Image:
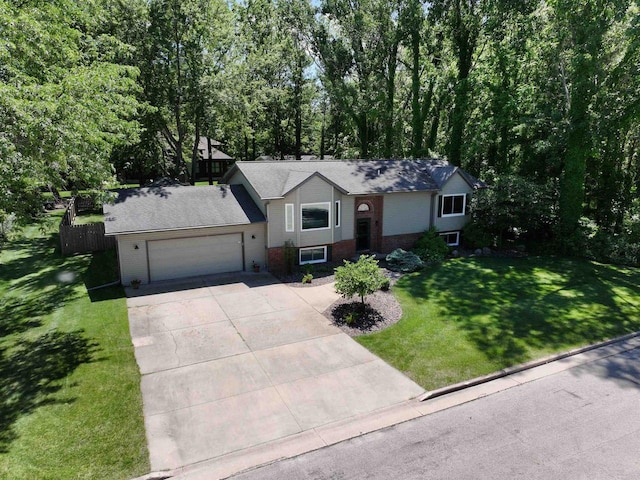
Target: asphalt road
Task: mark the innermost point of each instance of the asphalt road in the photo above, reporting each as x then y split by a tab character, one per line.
583	423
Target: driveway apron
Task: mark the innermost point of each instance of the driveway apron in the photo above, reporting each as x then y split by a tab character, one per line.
231	362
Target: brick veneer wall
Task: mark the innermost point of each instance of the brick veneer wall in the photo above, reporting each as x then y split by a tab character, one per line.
275	259
406	242
343	250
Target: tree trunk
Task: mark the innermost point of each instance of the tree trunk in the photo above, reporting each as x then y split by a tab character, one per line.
389	130
417	120
298	107
194	153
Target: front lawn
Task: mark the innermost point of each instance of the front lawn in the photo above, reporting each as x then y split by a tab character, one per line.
70	403
469	317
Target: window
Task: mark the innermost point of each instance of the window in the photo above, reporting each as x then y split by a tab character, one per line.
451	238
453	205
288	217
336	213
313	255
363	207
315	216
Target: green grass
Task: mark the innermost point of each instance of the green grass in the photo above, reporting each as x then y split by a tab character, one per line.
470	317
92	216
70	405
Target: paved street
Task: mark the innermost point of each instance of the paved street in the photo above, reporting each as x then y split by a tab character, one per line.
581	423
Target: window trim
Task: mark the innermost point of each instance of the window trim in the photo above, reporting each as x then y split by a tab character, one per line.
323	260
464	205
289	217
329	216
457	233
338	213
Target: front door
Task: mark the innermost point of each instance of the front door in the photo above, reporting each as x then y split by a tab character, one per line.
363	234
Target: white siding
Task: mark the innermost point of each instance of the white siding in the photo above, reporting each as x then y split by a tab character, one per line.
406	213
134	262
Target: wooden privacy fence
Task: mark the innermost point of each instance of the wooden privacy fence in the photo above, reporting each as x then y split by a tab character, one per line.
82	238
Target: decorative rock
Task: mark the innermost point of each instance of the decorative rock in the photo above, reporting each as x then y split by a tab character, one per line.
486	251
455	254
477	251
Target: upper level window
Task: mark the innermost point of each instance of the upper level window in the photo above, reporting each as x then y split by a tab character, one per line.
315	216
288	217
336	213
363	207
453	205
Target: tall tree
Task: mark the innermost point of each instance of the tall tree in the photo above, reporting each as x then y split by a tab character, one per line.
185	40
356	43
64	101
582	31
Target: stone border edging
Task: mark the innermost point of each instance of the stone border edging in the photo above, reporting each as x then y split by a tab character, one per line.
519	368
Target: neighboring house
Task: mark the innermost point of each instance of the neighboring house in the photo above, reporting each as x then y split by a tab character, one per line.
328	210
210	154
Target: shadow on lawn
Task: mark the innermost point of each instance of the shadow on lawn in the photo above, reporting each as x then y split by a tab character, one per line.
508	307
31	372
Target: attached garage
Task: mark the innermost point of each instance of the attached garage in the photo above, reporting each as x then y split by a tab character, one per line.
173	232
189	257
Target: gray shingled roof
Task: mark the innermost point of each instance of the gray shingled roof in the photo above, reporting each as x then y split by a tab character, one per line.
355	177
179	207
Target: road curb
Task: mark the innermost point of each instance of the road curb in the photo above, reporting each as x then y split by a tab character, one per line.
522	367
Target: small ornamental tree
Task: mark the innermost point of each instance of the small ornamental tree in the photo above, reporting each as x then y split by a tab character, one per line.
360	278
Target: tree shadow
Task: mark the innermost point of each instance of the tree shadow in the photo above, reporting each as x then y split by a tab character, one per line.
31	371
511	307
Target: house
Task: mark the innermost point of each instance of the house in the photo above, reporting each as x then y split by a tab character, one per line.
210	154
328	211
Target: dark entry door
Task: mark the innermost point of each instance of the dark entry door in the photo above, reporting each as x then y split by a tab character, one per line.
363	234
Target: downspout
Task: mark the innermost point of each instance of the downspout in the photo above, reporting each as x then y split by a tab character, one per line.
267	235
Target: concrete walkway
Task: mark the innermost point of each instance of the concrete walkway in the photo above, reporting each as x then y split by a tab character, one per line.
234	368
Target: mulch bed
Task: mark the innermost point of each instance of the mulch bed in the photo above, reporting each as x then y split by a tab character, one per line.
380	311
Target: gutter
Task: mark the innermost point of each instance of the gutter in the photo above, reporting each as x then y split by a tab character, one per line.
136	232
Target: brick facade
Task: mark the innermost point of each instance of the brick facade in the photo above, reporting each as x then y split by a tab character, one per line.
343	250
275	259
406	241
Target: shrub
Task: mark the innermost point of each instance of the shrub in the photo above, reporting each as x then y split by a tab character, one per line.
402	261
307	278
386	284
475	235
431	247
515	207
289	255
360	278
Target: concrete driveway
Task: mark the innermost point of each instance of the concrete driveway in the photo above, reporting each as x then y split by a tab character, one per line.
229	363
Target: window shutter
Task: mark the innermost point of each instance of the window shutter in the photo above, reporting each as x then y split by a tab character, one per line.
439	205
329	252
467	204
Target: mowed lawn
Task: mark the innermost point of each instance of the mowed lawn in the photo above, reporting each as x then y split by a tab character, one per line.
70	403
469	317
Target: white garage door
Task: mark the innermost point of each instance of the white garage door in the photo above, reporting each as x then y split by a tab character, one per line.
188	257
